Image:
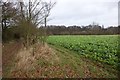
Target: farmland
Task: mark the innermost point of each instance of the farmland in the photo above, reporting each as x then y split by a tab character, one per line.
102	48
63	57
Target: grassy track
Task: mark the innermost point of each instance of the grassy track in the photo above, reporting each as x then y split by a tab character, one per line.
82	66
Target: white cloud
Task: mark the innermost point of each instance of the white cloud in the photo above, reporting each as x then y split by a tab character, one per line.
83	12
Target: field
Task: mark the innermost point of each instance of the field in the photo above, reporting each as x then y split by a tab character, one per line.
102	48
67	56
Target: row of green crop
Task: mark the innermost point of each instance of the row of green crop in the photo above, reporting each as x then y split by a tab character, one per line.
101	48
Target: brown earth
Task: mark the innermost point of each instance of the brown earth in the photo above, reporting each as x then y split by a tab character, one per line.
9	51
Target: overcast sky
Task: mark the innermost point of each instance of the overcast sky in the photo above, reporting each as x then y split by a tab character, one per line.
84	12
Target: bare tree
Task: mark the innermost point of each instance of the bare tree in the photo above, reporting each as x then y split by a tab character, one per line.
47	6
29	17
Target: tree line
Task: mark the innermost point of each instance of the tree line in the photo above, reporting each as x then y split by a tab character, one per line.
92	29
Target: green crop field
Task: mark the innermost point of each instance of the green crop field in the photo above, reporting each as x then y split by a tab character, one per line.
101	48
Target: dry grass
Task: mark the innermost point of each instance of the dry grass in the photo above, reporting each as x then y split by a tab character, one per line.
46	53
25	61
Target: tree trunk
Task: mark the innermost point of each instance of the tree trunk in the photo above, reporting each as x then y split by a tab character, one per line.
45	35
5	23
45	22
27	42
